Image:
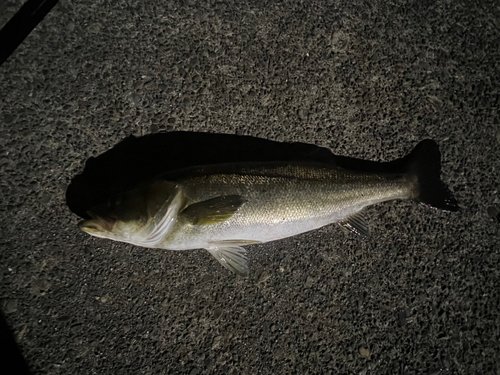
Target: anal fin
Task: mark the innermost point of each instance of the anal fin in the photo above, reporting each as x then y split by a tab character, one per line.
356	224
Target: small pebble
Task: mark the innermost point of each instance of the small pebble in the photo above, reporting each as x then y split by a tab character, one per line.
309	281
105	299
11	306
264	276
364	352
206	278
8	118
217	313
493	212
135	99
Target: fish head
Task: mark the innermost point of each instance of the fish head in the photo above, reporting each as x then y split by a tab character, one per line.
131	216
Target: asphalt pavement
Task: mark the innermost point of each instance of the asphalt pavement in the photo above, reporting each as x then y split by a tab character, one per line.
364	79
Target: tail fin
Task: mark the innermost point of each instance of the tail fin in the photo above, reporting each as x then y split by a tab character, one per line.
425	163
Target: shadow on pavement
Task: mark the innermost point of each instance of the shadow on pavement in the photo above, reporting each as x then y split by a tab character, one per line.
135	160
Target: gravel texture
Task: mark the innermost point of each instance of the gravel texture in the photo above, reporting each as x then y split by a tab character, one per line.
365	79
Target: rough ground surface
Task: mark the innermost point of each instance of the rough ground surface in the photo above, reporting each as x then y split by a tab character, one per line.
364	78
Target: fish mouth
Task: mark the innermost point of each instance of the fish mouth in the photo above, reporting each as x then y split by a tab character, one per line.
97	226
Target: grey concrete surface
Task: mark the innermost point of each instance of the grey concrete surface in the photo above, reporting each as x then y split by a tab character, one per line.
364	78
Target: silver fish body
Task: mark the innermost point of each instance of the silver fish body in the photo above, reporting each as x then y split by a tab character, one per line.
280	200
224	207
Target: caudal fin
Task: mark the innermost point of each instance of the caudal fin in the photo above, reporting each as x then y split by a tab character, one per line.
425	163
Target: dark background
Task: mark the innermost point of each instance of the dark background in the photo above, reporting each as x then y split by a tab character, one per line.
363	79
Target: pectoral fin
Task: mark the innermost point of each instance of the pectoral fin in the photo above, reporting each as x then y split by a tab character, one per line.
233	258
213	210
356	224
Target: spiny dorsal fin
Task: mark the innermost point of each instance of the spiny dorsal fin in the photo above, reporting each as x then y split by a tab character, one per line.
356	223
213	210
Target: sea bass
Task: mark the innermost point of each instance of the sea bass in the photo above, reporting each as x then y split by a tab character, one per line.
226	206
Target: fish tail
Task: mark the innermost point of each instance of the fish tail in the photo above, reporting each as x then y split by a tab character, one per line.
424	162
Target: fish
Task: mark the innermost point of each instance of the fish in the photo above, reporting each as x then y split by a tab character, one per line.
224	207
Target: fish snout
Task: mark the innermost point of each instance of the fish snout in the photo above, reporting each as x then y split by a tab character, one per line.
96	226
